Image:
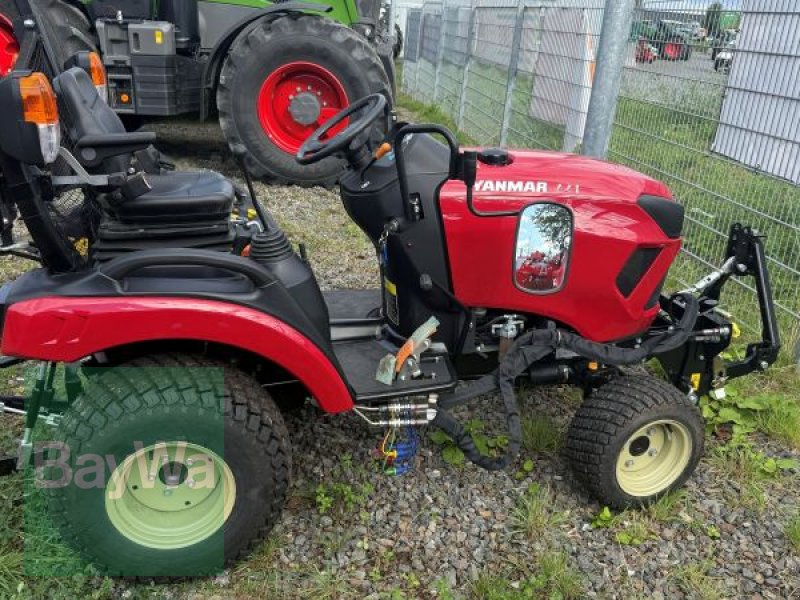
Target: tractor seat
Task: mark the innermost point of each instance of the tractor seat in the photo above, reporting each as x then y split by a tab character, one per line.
179	197
103	146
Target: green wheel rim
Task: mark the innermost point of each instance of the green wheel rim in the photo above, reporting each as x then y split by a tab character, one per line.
170	495
653	458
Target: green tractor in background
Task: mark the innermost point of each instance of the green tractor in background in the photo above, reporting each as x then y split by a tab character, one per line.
272	72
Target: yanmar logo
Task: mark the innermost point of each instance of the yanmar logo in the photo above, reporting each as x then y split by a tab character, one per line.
492	185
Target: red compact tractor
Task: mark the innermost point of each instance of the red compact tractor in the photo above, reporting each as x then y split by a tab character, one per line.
497	267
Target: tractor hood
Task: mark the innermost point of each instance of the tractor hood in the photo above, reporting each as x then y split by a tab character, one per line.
612	234
530	176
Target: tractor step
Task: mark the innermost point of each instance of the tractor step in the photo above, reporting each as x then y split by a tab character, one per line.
359	360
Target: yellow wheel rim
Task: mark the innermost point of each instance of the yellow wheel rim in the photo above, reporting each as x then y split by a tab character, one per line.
653	458
170	495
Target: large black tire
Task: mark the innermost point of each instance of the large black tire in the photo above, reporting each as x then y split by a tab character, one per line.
265	47
607	427
158	399
67	29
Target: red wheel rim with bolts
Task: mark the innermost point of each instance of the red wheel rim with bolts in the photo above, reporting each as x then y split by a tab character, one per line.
295	100
9	48
673	51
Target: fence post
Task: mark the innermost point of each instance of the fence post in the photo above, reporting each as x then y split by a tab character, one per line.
419	52
513	63
464	83
439	52
607	77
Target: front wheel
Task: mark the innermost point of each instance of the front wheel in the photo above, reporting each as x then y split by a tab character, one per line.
285	77
168	466
635	439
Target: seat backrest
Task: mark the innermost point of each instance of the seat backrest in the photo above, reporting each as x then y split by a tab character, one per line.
84	113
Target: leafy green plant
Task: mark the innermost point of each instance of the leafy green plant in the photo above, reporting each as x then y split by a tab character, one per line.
342	496
526	469
771	413
487	445
605	518
323	499
635	533
712	531
733	409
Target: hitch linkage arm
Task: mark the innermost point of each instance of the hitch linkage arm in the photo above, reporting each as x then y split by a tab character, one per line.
746	251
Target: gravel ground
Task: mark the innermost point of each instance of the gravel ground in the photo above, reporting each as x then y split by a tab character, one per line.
452	531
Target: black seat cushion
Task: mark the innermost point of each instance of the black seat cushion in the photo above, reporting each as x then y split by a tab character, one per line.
179	197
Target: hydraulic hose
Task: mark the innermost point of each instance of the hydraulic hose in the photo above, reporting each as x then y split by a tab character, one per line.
531	347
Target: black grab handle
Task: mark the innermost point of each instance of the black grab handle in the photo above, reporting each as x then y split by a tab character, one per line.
121	266
400	162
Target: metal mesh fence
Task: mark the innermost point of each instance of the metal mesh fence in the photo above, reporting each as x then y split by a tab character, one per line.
709	104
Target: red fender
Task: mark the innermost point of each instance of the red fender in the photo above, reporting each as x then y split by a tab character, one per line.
63	329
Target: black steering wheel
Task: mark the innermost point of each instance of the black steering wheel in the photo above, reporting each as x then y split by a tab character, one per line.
314	149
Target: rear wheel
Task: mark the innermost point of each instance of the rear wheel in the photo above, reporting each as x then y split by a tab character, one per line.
282	79
673	50
634	439
193	468
66	27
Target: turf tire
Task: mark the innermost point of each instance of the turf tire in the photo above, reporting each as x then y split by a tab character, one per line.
119	405
610	416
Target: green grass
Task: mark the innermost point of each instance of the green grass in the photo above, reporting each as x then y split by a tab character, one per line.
666	508
793	533
551	576
694	579
426	113
540	434
534	513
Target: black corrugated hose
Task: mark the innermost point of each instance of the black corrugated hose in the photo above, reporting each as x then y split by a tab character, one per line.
531	347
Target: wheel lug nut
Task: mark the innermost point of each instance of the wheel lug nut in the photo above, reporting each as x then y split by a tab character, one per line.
652	452
298	88
190	483
650	431
629	462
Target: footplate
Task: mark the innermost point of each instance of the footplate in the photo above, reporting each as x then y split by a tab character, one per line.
360	359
